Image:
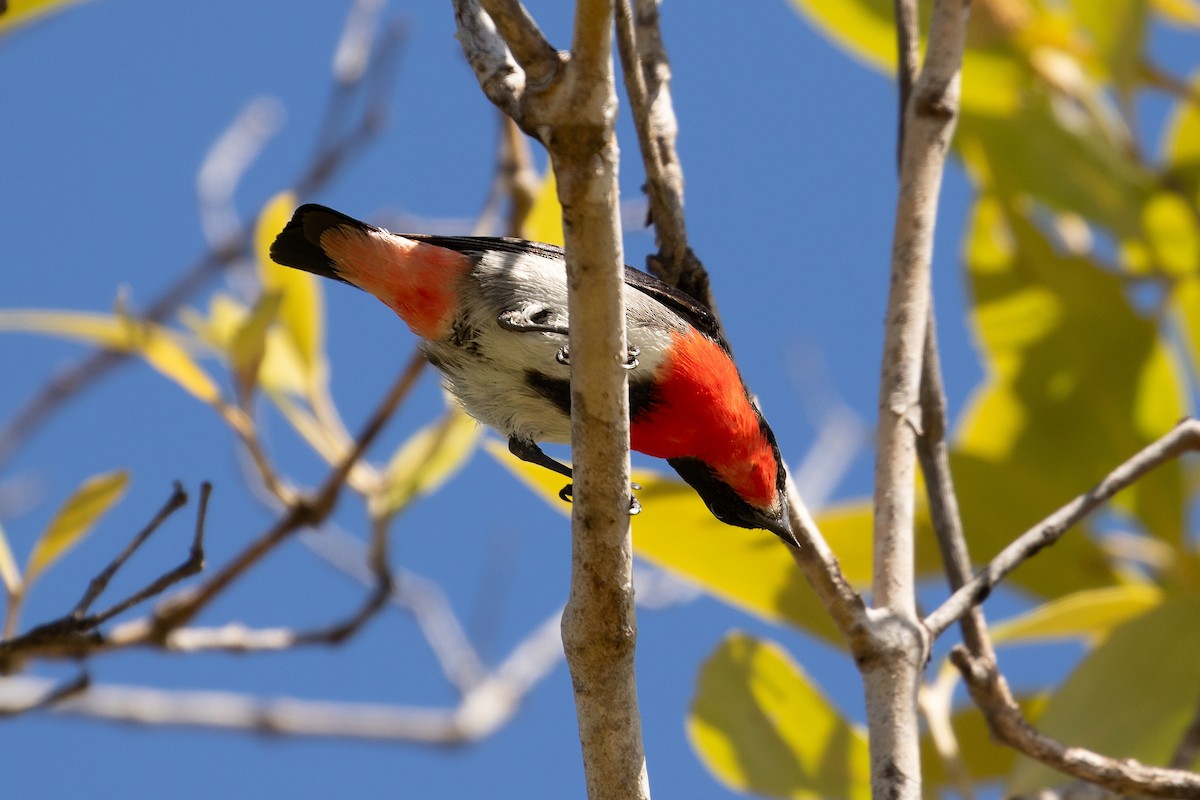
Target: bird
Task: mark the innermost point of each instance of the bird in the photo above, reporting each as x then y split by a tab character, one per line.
491	316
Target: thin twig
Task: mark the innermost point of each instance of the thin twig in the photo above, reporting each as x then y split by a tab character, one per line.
46	696
1184	437
990	692
193	565
1188	749
77	634
324	166
647	73
306	512
176	501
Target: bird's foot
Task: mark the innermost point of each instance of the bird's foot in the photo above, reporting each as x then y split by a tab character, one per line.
565	494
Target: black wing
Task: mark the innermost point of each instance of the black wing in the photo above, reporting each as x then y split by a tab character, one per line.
681	303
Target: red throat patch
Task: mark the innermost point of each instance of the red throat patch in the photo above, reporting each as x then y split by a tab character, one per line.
418	281
703	412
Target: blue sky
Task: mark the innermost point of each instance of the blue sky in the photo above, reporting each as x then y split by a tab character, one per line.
109	109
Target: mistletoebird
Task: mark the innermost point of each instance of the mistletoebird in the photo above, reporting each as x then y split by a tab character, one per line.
492	317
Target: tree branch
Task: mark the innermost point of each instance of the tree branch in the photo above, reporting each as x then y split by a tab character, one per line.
572	112
990	692
331	155
892	668
1183	437
647	74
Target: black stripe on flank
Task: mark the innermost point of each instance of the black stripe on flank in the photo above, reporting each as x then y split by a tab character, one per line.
642	394
643	397
556	390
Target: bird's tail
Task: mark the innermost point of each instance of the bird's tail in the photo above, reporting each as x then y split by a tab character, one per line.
299	246
421	282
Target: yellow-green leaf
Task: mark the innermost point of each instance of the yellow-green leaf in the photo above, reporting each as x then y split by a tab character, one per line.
21	12
1172	235
760	725
75	518
328	443
249	342
1090	613
1179	12
428	459
1131	697
983	757
1116	30
864	28
9	574
748	569
544	221
1181	145
154	343
302	312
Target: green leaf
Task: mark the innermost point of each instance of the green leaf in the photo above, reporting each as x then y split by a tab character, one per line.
1078	382
1091	613
9	574
21	12
154	343
74	519
249	343
1131	697
302	311
428	459
760	725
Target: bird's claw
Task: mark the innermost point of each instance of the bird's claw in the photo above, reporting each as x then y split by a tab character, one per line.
565	494
563	356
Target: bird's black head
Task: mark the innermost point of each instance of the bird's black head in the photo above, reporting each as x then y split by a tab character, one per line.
732	509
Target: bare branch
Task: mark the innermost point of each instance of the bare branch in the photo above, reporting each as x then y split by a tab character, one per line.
820	566
572	111
898	650
647	75
1182	438
227	160
179	610
497	72
46	695
990	692
176	501
332	154
907	61
473	719
1188	749
939	489
525	40
77	633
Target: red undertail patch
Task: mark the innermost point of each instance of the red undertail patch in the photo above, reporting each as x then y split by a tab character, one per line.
418	281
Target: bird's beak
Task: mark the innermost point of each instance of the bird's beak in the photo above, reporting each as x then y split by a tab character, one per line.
781	526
